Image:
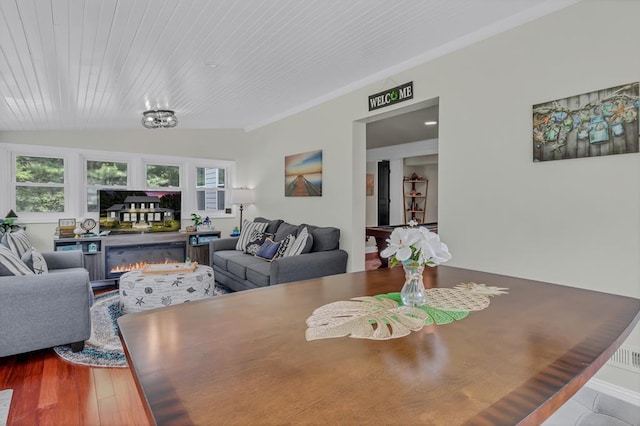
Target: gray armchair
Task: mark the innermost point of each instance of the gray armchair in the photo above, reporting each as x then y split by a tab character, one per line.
42	311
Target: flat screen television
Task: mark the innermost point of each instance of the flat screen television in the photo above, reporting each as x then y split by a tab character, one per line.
138	212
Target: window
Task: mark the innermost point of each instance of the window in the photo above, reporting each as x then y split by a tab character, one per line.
210	189
161	176
39	184
44	184
102	175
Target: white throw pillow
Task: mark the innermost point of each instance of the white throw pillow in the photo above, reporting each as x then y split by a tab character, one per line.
17	241
35	261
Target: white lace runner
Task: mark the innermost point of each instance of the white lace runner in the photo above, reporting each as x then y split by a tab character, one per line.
382	318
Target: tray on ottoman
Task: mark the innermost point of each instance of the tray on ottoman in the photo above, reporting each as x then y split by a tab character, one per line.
169	268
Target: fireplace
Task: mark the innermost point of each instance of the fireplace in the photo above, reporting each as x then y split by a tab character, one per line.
121	259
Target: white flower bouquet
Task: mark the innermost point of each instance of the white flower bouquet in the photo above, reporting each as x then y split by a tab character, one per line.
415	246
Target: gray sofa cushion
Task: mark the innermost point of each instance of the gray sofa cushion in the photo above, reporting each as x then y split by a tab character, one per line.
258	273
285	229
223	256
324	239
238	265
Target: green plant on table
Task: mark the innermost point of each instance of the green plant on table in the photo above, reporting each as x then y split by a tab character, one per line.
196	218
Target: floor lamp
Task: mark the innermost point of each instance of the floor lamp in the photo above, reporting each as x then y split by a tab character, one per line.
242	196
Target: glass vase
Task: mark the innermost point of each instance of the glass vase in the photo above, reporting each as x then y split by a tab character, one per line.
413	292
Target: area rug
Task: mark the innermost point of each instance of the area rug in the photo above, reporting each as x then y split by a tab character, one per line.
104	348
5	403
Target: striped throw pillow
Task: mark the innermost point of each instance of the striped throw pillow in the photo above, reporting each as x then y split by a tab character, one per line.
10	264
285	246
18	242
302	244
247	231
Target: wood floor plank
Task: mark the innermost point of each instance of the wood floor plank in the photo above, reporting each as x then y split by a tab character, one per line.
103	383
49	383
87	400
109	411
129	402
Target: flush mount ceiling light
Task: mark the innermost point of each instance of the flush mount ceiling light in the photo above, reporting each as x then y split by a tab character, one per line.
159	118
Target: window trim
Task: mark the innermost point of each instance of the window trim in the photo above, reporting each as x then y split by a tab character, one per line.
76	185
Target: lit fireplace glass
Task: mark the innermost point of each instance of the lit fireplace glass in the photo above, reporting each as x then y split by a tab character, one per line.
121	259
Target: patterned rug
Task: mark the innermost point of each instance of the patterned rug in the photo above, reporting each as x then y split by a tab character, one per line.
5	403
103	349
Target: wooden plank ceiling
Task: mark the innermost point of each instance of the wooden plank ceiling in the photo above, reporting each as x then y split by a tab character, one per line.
97	64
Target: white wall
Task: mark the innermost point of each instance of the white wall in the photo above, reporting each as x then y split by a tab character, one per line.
221	144
573	222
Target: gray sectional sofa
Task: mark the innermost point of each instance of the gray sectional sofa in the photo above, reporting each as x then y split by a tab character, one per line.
41	311
238	270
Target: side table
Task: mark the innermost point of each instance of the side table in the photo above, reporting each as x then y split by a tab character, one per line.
139	292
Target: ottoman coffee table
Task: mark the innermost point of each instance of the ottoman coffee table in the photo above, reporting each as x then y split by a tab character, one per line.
141	291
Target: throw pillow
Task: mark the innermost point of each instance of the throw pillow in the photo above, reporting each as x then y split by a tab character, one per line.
324	239
268	249
285	229
10	264
255	241
17	241
302	244
35	261
247	230
285	246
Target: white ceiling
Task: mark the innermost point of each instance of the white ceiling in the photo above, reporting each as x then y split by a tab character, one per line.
97	64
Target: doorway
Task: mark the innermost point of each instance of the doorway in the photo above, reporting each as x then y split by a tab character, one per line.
398	144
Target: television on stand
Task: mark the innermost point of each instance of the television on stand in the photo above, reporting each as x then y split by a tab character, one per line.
138	212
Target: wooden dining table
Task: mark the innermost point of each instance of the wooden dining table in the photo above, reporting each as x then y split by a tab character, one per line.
242	358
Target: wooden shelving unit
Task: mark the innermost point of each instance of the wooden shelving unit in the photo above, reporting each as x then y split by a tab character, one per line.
415	199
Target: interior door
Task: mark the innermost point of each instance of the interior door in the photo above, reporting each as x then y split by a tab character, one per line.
383	193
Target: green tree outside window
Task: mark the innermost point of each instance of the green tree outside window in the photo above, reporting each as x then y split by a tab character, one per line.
159	176
39	184
108	173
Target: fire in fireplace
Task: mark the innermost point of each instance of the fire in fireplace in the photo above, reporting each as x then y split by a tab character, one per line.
121	259
134	266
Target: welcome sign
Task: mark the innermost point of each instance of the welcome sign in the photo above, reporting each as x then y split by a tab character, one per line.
392	96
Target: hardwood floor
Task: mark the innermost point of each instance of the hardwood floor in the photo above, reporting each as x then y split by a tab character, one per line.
50	391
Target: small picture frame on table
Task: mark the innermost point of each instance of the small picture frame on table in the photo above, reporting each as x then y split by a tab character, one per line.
66	227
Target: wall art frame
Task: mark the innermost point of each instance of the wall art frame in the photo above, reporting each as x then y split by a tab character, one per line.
303	174
593	124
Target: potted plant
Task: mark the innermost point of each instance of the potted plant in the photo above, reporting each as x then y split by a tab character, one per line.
197	221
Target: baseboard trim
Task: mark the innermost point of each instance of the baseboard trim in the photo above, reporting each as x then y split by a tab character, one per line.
615	391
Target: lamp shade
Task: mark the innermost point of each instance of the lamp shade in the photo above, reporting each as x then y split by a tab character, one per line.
242	196
11	214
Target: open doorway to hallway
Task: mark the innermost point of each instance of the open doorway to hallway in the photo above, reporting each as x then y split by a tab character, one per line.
402	146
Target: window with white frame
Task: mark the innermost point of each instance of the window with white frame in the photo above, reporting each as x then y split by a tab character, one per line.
39	184
210	189
104	175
